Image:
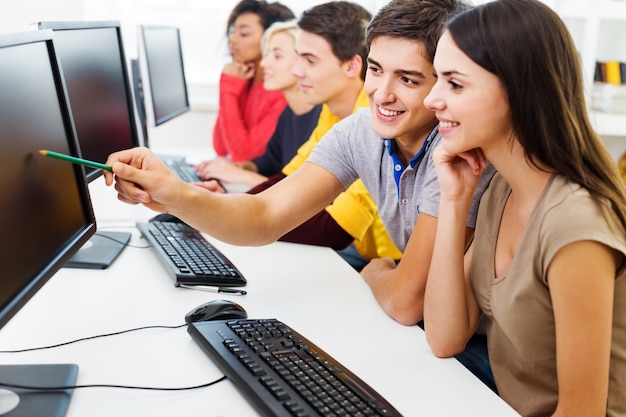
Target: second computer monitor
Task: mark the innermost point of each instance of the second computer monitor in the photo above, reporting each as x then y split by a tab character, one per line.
96	75
93	64
162	73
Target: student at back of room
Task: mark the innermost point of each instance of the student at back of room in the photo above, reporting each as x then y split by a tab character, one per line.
295	124
331	70
247	112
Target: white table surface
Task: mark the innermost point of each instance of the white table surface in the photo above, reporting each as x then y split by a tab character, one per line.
309	288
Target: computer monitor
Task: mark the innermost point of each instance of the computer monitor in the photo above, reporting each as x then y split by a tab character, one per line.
140	105
96	77
162	72
45	209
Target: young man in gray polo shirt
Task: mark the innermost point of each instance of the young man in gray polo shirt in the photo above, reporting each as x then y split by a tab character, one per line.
388	146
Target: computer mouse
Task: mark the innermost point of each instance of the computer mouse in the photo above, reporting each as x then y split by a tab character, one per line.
216	310
166	217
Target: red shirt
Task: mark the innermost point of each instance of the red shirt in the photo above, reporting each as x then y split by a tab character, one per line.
246	119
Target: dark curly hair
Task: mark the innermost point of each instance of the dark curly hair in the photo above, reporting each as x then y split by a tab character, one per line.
267	12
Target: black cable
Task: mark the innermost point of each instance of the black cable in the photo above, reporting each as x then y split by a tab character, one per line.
125	244
92	337
68	387
63	388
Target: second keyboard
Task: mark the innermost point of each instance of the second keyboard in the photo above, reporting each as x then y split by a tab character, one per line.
192	259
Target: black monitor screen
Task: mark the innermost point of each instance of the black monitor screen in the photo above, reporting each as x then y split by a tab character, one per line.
163	73
45	211
94	67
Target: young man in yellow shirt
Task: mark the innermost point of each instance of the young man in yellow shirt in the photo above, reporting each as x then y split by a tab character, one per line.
331	70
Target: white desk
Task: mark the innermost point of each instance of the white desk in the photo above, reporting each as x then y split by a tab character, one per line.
309	288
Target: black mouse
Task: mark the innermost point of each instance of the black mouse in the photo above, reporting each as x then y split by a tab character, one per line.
166	217
216	310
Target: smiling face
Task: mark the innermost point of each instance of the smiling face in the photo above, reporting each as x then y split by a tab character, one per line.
322	76
469	101
398	79
245	38
277	62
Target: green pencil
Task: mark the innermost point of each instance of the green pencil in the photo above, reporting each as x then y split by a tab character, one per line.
76	160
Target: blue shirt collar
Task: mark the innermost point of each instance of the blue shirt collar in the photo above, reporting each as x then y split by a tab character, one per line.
398	166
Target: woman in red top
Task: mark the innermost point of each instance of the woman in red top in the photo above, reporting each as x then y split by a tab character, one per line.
247	113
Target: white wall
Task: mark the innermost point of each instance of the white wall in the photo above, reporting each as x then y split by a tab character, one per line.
16	16
202	24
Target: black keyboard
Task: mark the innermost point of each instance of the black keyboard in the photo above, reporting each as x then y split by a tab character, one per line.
183	169
192	259
284	374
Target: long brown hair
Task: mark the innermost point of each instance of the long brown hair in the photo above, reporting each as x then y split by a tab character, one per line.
529	48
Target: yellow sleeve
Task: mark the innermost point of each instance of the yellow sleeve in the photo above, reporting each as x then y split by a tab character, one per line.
354	209
324	123
356	212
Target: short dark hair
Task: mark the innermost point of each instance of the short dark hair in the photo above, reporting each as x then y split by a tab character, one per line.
268	12
342	24
415	20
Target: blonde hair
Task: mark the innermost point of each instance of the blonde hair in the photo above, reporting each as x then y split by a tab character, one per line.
289	26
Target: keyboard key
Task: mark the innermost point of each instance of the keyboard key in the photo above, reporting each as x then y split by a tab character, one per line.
189	256
283	371
183	169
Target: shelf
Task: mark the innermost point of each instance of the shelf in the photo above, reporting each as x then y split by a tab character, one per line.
609	124
597	29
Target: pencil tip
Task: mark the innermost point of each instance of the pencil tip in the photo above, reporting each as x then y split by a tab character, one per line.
43	152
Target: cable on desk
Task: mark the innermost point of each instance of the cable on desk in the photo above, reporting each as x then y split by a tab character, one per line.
125	244
92	337
63	388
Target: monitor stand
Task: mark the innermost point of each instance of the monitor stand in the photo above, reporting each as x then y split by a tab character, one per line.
99	251
15	402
